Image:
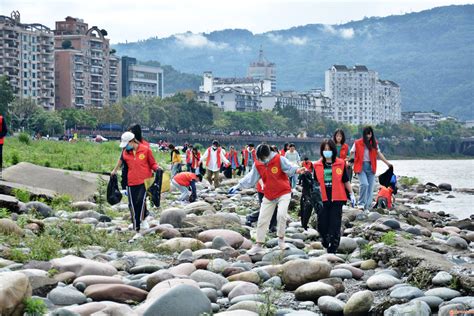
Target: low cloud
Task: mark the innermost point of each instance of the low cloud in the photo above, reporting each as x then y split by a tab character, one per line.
293	40
192	40
346	33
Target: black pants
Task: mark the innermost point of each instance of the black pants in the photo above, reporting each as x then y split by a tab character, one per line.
329	225
136	204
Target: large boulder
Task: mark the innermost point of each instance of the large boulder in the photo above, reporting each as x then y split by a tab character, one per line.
417	307
66	295
233	238
97	308
173	216
120	293
300	271
81	266
39	207
81	186
97	279
40	281
198	208
180	300
9	202
209	277
14	289
312	291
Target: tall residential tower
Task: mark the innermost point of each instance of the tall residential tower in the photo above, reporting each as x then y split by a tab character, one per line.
263	70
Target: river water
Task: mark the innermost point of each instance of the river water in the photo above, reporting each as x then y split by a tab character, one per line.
458	173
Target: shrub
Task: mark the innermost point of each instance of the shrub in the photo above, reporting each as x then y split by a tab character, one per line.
408	181
61	202
34	307
24	138
22	195
15	158
44	248
4	213
367	252
389	238
17	255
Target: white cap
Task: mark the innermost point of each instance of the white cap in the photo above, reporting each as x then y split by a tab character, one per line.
126	138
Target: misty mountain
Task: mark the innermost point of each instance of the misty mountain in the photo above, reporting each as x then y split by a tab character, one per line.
430	54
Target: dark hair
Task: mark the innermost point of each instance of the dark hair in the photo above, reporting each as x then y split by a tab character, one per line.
291	145
171	146
199	177
251	145
195	149
305	158
137	131
215	142
285	147
332	146
372	143
339	131
263	151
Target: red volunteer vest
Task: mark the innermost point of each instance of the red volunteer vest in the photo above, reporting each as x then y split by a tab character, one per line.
386	193
185	178
236	161
195	160
275	181
189	155
259	187
218	157
246	156
308	165
338	189
359	156
344	151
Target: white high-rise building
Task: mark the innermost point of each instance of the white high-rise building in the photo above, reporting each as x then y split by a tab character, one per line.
27	59
263	70
359	97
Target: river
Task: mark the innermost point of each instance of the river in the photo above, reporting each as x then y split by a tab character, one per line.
458	173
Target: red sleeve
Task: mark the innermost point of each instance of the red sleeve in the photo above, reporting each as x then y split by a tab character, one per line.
151	160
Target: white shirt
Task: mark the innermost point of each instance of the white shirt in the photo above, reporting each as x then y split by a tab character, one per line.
213	159
366	151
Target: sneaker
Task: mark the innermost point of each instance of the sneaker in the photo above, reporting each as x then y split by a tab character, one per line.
282	244
256	249
144	225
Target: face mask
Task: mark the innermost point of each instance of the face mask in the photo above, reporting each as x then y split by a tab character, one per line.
129	147
266	160
214	147
327	154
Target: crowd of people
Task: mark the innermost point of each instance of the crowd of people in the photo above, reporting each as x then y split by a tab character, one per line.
274	173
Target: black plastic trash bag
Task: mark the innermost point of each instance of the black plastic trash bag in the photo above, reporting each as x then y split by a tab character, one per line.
113	193
310	198
228	172
155	188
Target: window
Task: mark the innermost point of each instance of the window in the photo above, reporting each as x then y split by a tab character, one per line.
25	83
25	74
25	65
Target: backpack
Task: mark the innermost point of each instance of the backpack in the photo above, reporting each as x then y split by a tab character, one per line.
113	193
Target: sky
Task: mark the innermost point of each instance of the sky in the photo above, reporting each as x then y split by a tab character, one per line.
132	20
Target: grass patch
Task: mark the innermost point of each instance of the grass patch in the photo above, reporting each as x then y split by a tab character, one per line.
61	202
367	252
389	238
80	156
408	181
22	195
35	307
4	213
24	138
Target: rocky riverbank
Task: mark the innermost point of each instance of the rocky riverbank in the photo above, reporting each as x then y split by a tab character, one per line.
193	261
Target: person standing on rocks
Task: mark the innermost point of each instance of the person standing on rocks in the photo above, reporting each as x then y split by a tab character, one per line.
189	158
330	172
366	151
274	171
214	158
234	161
175	160
3	133
140	165
195	158
249	157
294	158
339	139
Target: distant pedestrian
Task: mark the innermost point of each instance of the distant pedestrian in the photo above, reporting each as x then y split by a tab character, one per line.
214	158
3	133
331	174
249	157
284	149
294	158
195	158
366	151
175	160
233	159
339	139
140	166
189	158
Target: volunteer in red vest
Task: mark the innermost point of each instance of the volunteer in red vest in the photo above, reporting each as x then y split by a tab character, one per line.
274	171
189	158
140	165
307	164
339	139
3	133
184	181
331	174
233	159
196	156
214	158
249	157
384	198
366	151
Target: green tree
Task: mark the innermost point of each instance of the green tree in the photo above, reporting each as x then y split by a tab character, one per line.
77	118
47	123
22	112
6	95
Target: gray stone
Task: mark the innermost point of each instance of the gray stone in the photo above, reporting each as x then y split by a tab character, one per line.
217	265
251	306
218	242
359	303
245	288
67	295
250	297
445	310
330	305
341	273
211	277
312	291
373	216
347	245
443	292
274	282
418	308
382	282
173	216
14	289
445	187
393	224
180	300
186	256
406	292
298	272
442	278
432	301
39	207
210	293
457	242
466	300
277	254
